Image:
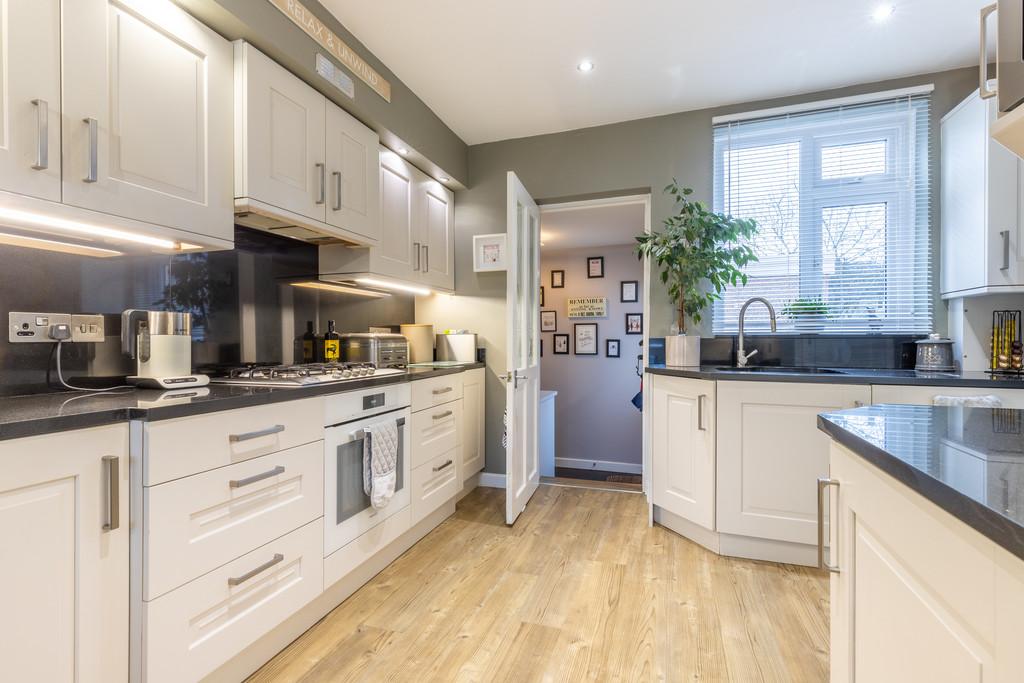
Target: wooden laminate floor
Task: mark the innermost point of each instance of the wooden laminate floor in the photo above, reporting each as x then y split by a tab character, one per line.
580	589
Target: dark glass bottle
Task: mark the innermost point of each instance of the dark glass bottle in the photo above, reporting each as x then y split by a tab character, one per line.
309	343
332	344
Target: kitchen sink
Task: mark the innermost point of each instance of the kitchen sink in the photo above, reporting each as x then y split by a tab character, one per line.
780	370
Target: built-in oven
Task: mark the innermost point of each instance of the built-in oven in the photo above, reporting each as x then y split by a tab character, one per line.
348	513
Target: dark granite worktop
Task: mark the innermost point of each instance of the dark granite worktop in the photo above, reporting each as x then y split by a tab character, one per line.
767	373
968	461
22	416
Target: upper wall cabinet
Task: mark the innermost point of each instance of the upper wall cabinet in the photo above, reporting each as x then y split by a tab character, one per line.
299	159
30	97
147	114
982	245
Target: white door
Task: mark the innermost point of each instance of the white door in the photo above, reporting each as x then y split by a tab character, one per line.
437	213
398	254
30	97
353	178
147	124
522	311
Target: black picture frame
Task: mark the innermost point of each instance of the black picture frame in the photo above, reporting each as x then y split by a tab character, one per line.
557	279
608	348
595	261
564	338
541	348
553	327
542	296
576	329
639	323
622	291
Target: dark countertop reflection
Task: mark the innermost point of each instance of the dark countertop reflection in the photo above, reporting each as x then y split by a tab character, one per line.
968	461
826	375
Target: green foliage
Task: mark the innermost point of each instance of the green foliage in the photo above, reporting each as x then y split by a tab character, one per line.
699	253
800	308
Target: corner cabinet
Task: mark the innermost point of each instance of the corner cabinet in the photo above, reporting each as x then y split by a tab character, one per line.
473	390
982	245
303	167
683	448
64	557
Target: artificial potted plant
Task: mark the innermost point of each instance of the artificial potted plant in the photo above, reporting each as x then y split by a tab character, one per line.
698	252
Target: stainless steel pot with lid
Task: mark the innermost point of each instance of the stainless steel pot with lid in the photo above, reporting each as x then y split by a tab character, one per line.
935	354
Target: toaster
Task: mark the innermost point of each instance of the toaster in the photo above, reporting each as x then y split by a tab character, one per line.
384	350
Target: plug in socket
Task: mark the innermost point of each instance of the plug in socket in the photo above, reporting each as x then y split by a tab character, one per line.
33	327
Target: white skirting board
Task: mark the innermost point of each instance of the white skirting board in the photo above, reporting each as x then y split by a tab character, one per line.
603	465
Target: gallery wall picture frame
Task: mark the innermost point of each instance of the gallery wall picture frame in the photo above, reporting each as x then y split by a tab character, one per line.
548	321
634	323
542	295
557	279
595	266
629	291
561	344
611	348
585	339
490	253
541	348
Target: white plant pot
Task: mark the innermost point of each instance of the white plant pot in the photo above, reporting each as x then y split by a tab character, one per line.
682	350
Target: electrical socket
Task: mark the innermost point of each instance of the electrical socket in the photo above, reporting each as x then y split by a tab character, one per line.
35	327
87	328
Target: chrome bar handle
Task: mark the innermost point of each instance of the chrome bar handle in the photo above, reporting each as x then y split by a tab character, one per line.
92	168
1005	234
276	559
42	135
239	483
426	258
445	465
983	89
248	436
337	190
419	254
823	483
445	390
112	472
322	171
700	412
441	416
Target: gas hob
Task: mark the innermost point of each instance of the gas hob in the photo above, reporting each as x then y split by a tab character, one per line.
308	374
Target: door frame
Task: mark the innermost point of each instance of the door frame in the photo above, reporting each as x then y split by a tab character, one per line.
621	200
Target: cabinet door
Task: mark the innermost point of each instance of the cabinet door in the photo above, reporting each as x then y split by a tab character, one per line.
30	97
147	115
683	448
64	578
473	422
963	162
925	396
353	176
436	211
771	454
398	254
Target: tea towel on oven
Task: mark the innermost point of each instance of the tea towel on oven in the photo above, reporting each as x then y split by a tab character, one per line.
380	458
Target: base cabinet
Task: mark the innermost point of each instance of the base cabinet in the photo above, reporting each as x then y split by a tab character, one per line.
64	557
472	422
683	448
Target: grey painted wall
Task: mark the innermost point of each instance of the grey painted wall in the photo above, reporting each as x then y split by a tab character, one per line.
594	419
635	154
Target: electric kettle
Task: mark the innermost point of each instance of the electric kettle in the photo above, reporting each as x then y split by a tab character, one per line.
160	342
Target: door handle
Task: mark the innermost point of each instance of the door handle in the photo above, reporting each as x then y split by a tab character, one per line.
444	390
416	248
426	258
276	559
1005	234
446	464
322	172
441	416
92	168
112	470
337	190
42	135
248	436
700	412
823	483
983	89
239	483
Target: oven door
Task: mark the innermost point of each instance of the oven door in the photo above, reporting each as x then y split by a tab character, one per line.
1010	54
347	510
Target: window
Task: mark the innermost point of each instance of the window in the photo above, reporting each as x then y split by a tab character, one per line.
842	200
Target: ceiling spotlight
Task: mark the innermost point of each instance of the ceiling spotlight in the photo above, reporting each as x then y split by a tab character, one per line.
883	12
585	66
443	178
404	151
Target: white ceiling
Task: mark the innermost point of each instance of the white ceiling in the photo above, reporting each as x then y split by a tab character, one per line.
498	70
600	226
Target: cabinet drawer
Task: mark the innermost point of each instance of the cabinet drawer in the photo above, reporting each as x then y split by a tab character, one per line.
436	431
338	564
198	523
434	391
179	448
191	631
434	483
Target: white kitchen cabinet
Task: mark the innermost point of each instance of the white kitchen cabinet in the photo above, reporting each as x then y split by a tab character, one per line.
353	175
64	556
982	246
30	97
473	449
147	115
436	431
683	447
437	233
771	454
925	396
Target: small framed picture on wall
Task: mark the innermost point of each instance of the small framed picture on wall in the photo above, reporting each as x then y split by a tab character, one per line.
634	323
557	279
548	321
595	266
561	342
629	291
611	348
489	252
586	339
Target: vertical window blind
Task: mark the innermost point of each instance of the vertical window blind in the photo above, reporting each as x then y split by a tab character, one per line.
842	198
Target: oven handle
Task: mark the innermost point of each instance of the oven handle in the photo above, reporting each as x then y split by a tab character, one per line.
360	435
